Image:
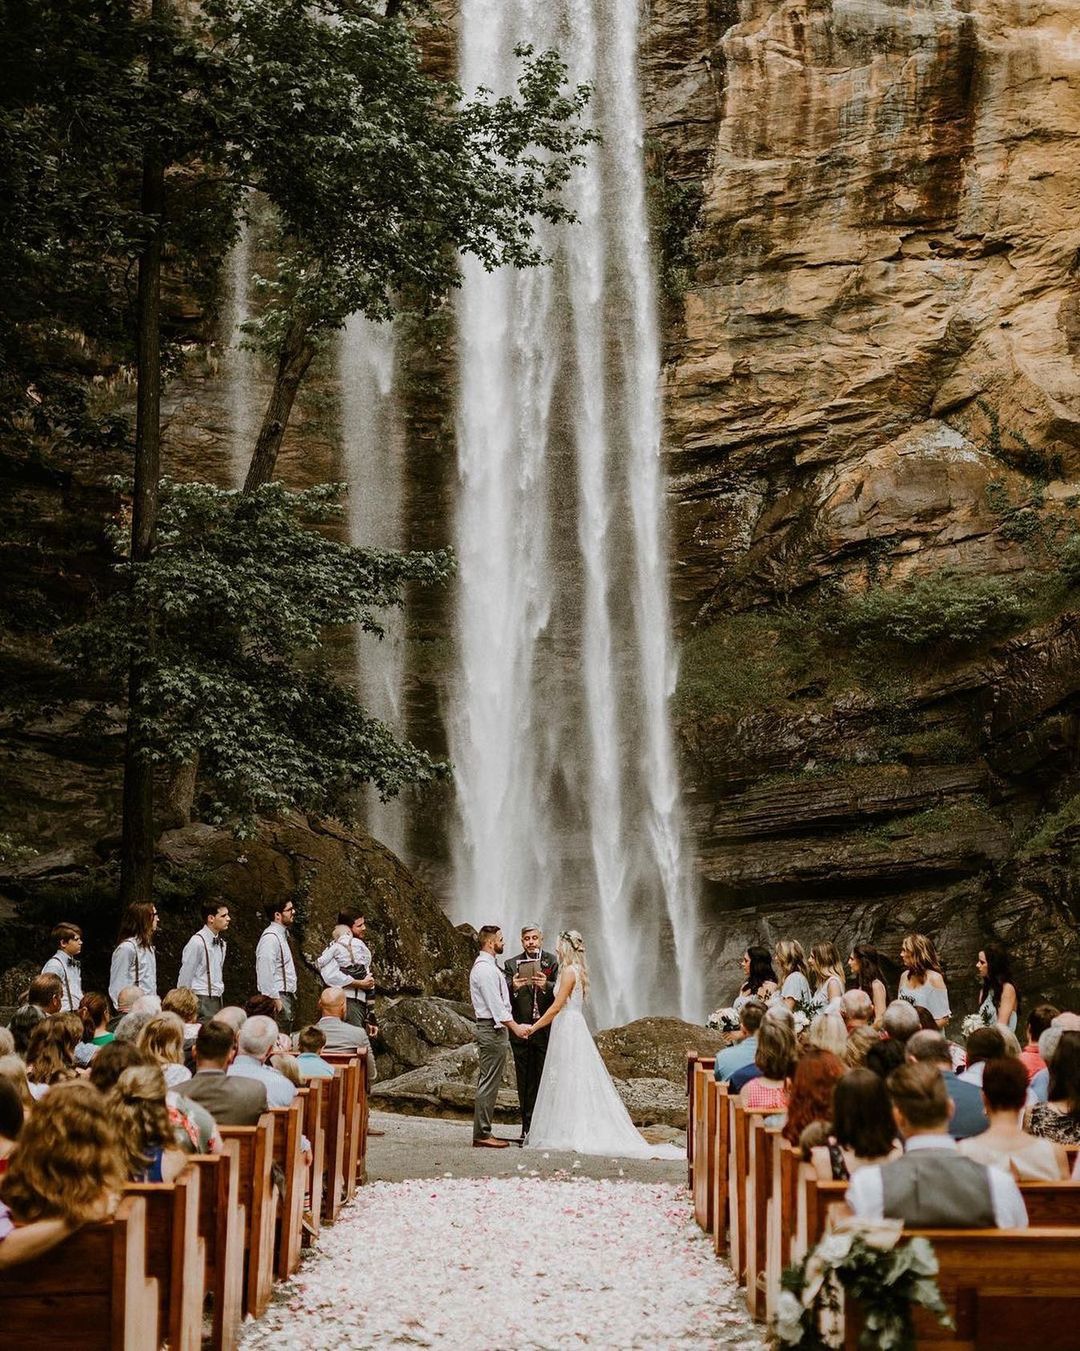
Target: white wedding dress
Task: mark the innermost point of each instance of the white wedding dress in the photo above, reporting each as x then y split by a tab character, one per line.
578	1107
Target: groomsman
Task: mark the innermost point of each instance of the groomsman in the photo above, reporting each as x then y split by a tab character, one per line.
202	963
65	964
275	966
346	965
530	999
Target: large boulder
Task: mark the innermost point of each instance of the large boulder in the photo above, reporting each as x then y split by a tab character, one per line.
416	1029
655	1049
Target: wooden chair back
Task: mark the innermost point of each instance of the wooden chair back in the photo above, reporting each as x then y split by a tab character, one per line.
221	1227
703	1106
95	1282
721	1126
315	1130
288	1155
175	1256
693	1060
258	1194
762	1140
334	1123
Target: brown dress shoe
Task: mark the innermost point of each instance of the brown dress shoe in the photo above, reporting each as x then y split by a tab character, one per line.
491	1142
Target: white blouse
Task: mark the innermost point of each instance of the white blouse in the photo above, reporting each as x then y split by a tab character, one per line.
926	996
796	987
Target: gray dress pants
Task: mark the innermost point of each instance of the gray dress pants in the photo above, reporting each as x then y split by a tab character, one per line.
492	1043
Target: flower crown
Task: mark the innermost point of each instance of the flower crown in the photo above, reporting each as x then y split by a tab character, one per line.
574	939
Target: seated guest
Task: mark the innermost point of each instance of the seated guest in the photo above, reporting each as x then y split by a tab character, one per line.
194	1129
125	1002
1004	1144
66	1172
94	1012
163	1041
232	1016
46	993
340	1035
933	1186
289	1066
256	1043
774	1061
309	1042
141	1117
741	1052
147	1003
809	1099
13	1069
112	1060
7	1042
827	1033
884	1056
862	1130
263	1006
859	1042
1059	1117
856	1009
901	1021
968	1117
1038	1020
985	1043
231	1101
778	1013
130	1025
11	1120
185	1004
50	1057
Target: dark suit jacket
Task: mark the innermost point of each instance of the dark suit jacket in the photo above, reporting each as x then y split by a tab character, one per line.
521	1000
229	1098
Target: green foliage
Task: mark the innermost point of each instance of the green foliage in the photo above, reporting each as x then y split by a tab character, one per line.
674	207
1045	837
945	608
240	592
13	851
1038	465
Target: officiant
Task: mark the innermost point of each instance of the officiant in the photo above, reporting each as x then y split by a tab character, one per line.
531	976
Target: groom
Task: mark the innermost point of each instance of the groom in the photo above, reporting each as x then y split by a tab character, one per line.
530	998
494	1019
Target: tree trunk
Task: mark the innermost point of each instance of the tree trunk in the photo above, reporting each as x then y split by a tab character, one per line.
297	351
137	842
180	795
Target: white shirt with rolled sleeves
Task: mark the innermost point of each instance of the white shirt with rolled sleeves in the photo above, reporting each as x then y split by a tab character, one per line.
59	964
202	964
275	969
344	952
866	1194
487	989
132	964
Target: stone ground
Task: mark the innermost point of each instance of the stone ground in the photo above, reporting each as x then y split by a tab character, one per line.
478	1250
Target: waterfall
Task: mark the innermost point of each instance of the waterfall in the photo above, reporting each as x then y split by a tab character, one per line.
241	394
566	771
373	446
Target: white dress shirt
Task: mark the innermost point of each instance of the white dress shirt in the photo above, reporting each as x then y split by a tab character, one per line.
866	1194
340	953
275	969
975	1076
132	964
70	973
202	964
487	989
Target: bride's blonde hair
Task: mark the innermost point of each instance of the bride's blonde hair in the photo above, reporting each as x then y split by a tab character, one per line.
570	951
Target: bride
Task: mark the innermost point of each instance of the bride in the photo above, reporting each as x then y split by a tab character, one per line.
578	1107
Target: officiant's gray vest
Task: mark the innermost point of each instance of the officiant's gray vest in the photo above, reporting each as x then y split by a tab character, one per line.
938	1189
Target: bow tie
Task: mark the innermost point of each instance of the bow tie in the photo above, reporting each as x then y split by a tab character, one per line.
74	962
218	942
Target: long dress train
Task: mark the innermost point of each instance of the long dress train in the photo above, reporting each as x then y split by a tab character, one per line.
578	1107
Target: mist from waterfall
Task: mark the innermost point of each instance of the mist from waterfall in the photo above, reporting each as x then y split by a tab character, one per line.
565	768
374	456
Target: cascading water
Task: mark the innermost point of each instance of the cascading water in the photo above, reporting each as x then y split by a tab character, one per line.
373	446
565	767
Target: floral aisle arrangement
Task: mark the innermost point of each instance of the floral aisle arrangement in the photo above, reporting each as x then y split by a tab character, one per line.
867	1262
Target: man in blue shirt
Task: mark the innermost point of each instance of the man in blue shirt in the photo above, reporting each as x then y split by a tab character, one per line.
741	1053
969	1116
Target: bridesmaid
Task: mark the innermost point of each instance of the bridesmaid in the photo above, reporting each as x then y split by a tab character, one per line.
865	966
791	963
759	977
922	982
998	998
827	973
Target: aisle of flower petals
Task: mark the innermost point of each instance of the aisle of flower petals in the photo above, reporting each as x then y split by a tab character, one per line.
529	1262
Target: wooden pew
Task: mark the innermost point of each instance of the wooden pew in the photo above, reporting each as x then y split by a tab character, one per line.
1004	1289
693	1060
334	1120
703	1104
783	1202
221	1227
721	1125
288	1155
1049	1204
315	1130
738	1179
355	1105
260	1198
92	1291
762	1140
175	1256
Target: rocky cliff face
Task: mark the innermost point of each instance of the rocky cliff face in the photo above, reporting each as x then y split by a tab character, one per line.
872	376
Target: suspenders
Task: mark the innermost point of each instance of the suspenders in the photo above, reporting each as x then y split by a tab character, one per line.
209	982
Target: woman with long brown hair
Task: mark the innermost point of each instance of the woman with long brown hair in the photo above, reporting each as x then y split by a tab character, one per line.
865	966
827	975
791	964
50	1057
144	1130
923	982
134	960
67	1171
94	1011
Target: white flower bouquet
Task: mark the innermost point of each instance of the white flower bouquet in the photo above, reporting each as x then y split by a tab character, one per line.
974	1021
723	1020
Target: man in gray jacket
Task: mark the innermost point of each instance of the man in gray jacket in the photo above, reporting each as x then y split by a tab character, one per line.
341	1035
230	1099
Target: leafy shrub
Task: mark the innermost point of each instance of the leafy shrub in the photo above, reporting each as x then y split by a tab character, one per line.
944	608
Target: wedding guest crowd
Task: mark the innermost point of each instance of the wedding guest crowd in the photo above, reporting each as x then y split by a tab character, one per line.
873	1092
